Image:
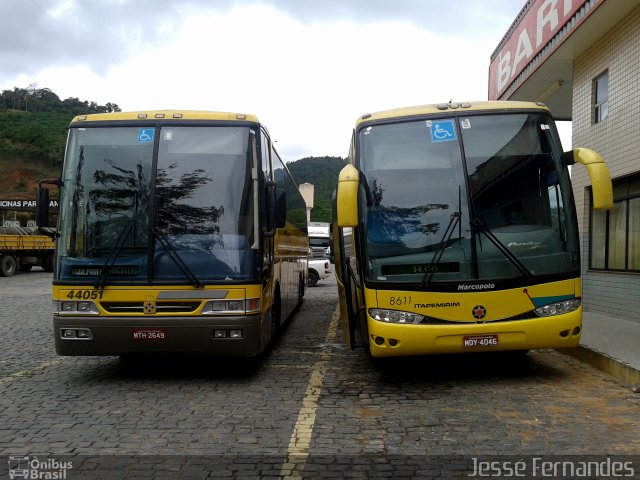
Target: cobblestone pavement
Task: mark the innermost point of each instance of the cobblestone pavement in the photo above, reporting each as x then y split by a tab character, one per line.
310	409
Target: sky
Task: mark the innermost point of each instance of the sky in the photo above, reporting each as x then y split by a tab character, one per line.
307	68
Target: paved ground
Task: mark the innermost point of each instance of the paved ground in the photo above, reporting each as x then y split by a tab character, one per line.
310	409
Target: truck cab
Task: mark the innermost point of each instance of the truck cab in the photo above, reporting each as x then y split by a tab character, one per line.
319	240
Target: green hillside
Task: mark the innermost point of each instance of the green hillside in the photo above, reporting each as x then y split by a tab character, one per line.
322	172
33	132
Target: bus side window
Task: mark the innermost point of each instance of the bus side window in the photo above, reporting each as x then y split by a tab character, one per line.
265	158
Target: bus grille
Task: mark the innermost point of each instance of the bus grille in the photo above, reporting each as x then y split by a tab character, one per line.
438	321
161	307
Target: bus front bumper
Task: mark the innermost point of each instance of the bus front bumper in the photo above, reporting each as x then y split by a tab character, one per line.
242	336
561	331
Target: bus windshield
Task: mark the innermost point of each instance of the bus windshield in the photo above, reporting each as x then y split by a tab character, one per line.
153	204
483	197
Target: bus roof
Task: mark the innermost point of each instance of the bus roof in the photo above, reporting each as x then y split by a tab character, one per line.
454	107
165	115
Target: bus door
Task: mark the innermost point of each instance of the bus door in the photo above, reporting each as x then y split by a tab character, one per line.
268	241
349	281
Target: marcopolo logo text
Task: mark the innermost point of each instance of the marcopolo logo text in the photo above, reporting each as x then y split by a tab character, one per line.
478	286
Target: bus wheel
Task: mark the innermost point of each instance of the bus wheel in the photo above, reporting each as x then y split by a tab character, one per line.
275	316
8	265
301	290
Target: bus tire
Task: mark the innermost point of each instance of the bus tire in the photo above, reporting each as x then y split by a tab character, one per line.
301	289
275	316
8	265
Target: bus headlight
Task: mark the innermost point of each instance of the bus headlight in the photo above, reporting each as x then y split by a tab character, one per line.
395	316
217	307
75	308
558	308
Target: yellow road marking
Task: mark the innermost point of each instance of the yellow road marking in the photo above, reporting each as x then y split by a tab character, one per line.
300	440
286	366
30	371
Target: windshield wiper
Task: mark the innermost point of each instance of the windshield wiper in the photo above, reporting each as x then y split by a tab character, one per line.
437	256
480	227
162	238
76	202
114	253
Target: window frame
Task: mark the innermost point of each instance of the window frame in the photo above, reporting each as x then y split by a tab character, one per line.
600	105
624	200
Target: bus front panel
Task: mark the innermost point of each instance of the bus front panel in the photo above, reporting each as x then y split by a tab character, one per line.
121	321
404	322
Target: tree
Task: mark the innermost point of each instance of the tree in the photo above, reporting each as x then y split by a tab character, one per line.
112	107
323	173
34	122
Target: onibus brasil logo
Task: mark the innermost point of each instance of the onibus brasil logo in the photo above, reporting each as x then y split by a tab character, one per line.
32	468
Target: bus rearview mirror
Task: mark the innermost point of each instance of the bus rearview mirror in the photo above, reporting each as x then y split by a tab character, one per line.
347	197
598	172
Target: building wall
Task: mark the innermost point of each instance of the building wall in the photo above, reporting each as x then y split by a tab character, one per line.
617	139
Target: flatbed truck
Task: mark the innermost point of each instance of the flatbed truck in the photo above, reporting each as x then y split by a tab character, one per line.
23	248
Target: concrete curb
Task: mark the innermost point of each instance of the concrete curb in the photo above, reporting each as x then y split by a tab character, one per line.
607	364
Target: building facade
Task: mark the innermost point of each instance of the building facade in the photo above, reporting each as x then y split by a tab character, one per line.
582	58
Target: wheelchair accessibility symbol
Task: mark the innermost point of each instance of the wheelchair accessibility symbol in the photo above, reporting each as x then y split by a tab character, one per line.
145	135
443	131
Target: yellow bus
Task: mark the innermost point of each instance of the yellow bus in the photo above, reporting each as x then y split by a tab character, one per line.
178	231
455	230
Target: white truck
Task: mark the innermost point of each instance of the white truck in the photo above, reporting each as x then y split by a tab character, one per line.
319	268
319	240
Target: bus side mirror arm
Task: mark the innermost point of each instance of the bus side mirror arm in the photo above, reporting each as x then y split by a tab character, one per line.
602	190
568	158
347	197
42	205
277	212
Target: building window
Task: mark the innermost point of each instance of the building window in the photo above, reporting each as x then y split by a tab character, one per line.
615	234
601	97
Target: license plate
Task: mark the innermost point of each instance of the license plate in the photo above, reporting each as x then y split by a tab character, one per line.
475	341
154	334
